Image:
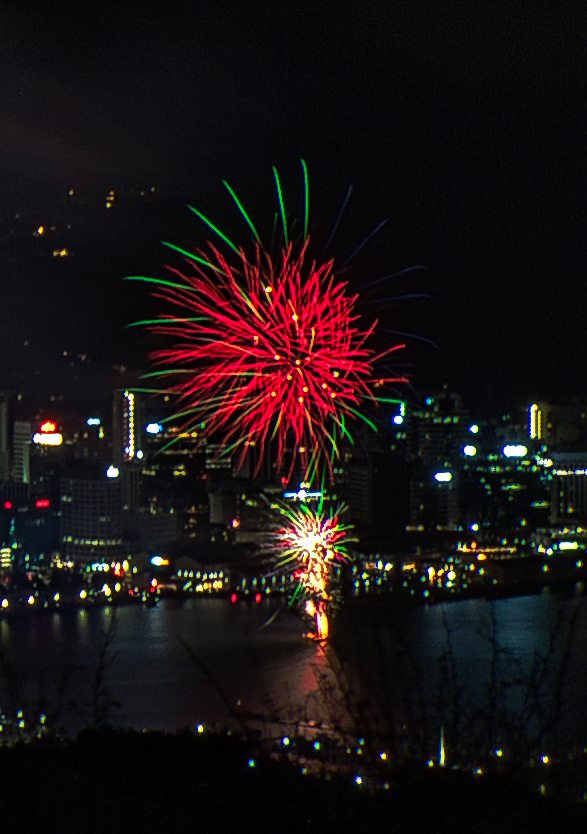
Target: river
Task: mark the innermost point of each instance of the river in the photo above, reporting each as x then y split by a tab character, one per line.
205	660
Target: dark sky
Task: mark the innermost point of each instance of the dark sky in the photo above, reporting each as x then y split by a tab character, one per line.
461	122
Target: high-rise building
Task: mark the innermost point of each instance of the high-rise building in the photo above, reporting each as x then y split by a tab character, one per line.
21	451
434	501
127	445
568	503
438	429
4	440
377	491
560	427
91	517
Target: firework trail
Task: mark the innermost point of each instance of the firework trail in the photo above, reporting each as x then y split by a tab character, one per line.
267	350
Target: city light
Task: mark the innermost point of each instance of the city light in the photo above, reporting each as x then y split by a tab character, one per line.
129	414
48	439
474	429
93	421
515	450
112	471
48	434
443	477
154	428
470	451
535	422
302	494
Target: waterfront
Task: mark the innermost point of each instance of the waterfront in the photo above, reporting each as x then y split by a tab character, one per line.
243	664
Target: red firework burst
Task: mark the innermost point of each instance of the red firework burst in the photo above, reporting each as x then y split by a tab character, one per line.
267	351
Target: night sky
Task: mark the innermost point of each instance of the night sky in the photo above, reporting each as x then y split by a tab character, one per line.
463	123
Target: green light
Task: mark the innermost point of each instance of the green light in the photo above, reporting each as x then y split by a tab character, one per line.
143	322
191	256
214	228
306	197
242	210
160	281
281	205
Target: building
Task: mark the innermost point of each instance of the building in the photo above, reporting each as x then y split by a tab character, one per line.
568	498
561	427
4	440
437	429
21	451
91	527
377	490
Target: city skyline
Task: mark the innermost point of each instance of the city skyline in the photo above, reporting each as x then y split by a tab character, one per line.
301	474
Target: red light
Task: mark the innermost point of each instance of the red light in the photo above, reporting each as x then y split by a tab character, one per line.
8	505
42	503
258	598
234	598
48	426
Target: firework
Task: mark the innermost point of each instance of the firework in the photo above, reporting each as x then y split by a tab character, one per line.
268	350
310	544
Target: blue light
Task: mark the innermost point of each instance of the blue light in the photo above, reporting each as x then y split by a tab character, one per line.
93	421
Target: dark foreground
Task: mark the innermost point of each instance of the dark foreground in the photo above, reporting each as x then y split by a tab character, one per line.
111	780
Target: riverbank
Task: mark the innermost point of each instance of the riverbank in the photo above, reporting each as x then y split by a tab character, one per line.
128	781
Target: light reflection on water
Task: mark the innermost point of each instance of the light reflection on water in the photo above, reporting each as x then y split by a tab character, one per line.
177	664
170	666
